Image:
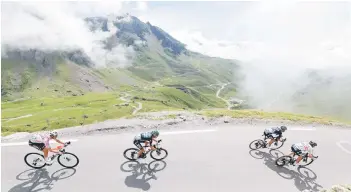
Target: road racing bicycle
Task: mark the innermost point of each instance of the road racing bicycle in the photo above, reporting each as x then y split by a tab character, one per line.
133	152
39	160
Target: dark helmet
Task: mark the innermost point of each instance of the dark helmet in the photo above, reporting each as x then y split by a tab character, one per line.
313	144
155	133
283	128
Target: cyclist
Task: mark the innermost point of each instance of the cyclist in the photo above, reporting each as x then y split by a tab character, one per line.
302	149
146	137
41	142
274	133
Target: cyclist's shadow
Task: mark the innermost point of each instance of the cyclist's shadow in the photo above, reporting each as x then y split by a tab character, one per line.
302	181
39	179
145	170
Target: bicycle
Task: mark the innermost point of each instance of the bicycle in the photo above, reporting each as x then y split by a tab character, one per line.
262	143
287	159
134	152
40	158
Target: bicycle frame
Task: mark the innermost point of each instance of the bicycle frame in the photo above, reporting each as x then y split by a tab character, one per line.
157	146
304	158
265	137
61	151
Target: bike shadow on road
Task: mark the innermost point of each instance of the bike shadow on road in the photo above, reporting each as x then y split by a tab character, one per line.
39	179
304	178
145	170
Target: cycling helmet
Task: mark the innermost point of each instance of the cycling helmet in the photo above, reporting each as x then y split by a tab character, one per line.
313	144
53	133
155	133
283	128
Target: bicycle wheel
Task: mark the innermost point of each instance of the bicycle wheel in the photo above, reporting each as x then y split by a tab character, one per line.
258	143
284	160
66	156
158	152
277	144
133	152
306	163
38	158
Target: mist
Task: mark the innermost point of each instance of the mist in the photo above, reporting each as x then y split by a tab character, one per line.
60	26
297	58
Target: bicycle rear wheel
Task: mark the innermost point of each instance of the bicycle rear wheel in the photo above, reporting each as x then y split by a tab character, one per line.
131	154
283	160
38	158
256	144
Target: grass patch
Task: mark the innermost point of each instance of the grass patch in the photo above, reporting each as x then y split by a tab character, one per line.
54	113
269	115
338	188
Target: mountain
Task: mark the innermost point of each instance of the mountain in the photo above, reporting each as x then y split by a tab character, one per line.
157	58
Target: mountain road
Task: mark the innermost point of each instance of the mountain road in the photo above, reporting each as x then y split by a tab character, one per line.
201	158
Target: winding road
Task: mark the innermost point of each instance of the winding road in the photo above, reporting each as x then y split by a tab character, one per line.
219	91
202	158
136	109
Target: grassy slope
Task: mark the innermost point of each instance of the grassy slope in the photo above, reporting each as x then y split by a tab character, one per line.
338	188
45	113
270	115
69	83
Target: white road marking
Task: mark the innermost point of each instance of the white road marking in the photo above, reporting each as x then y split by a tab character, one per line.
339	144
302	129
190	131
26	143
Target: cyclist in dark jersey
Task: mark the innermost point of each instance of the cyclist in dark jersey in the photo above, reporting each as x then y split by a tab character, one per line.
274	133
146	137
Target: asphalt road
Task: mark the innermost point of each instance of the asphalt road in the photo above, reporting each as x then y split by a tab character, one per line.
216	160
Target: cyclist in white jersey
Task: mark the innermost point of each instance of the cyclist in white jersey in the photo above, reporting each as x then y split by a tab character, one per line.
302	149
41	142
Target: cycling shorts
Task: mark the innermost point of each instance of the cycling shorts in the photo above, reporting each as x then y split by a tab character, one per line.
296	150
39	146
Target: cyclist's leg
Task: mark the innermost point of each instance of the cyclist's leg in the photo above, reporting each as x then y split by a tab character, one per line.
137	143
293	153
41	147
300	154
272	137
297	152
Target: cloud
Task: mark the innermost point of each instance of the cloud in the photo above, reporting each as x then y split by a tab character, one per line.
142	5
294	39
60	26
278	45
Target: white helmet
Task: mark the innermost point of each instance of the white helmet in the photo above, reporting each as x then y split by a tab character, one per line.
53	133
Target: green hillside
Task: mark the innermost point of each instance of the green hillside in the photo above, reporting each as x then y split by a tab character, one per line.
47	90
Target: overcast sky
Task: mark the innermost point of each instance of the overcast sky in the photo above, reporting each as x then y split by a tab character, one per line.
248	30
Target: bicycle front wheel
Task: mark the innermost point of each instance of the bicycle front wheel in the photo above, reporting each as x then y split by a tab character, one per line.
157	154
67	158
